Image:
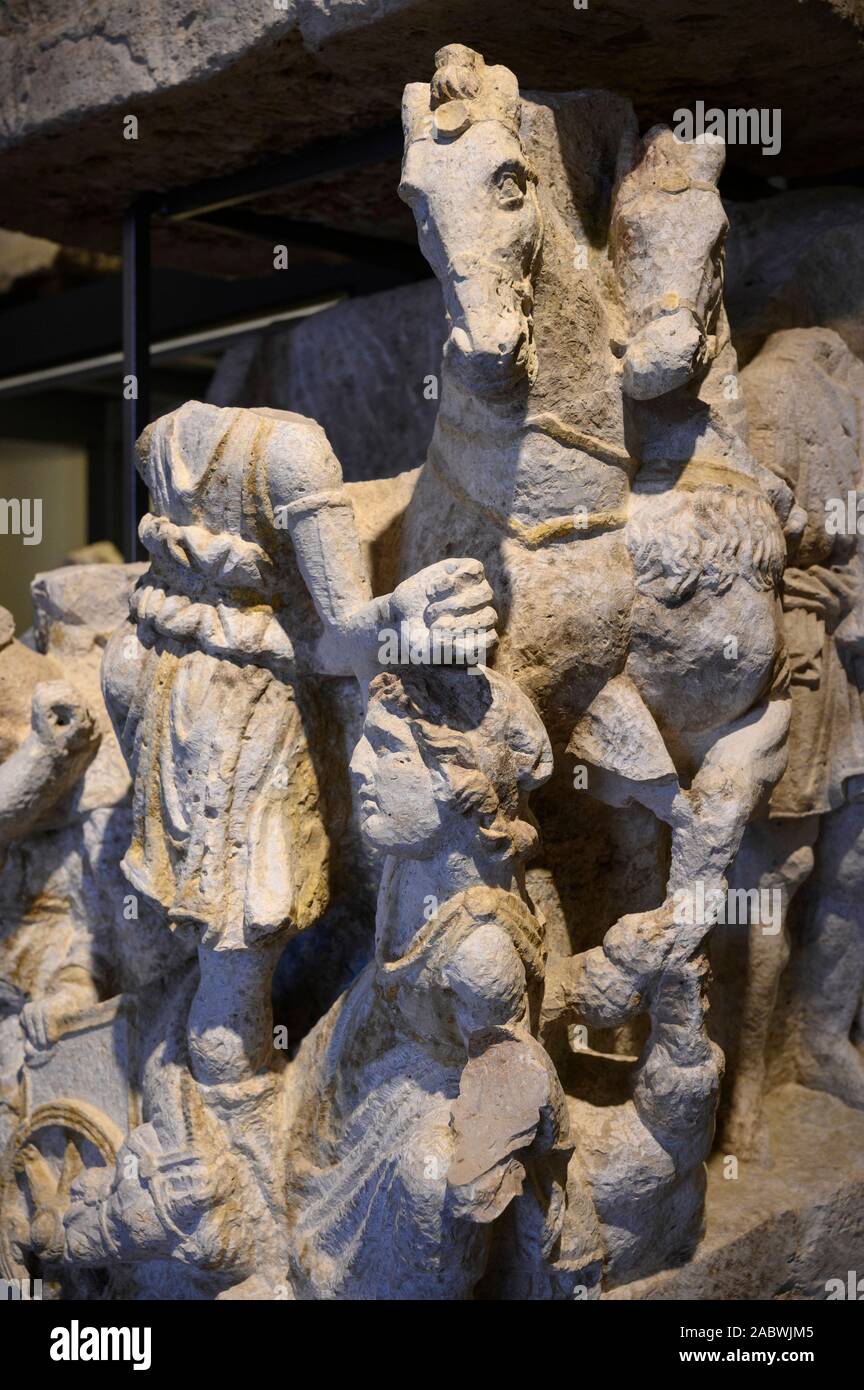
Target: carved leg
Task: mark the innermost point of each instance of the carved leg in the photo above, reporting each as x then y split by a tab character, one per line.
655	960
829	962
678	1078
231	1018
748	958
741	765
737	766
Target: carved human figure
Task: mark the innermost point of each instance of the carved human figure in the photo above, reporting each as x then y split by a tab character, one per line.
256	583
205	687
429	1136
50	963
74	952
805	386
425	1134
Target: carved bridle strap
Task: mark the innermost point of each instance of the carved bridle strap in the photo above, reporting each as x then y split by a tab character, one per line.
670	303
676	181
556	528
544	422
698	473
695	475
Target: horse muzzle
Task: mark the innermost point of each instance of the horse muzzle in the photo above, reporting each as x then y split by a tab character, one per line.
491	358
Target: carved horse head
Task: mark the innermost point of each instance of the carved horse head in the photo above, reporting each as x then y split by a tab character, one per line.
473	193
667	235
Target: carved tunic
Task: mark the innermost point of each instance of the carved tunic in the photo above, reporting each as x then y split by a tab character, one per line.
796	374
374	1090
228	831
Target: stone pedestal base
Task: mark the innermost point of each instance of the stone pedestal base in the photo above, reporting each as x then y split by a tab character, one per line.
780	1232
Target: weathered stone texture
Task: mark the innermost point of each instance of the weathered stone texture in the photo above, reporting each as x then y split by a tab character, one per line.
563	655
781	1232
221	87
369	371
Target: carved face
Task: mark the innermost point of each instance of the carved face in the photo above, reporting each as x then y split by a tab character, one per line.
393	787
479	227
667	239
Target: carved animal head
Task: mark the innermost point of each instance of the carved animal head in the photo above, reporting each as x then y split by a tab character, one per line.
472	190
448	750
667	236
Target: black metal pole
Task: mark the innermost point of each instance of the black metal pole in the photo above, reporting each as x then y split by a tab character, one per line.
136	364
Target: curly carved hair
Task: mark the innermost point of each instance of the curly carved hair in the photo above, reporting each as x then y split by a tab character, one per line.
485	739
683	541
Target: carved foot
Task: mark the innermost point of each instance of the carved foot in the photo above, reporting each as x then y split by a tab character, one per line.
834	1065
745	1133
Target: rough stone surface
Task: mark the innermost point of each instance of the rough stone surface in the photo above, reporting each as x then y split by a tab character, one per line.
21	256
64	795
781	1232
368	371
505	1087
795	261
221	87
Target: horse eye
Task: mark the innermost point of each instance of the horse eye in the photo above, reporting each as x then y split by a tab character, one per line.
510	185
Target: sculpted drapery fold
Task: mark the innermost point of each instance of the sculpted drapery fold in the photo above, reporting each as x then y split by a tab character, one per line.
513	1093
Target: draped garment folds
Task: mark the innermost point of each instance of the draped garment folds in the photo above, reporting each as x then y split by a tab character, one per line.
826	736
228	831
805	393
375	1110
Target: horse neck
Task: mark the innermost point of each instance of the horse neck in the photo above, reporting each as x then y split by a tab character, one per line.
502	447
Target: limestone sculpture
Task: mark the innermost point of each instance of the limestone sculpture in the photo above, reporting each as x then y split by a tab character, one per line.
68	952
49	738
425	1117
228	845
584	452
228	838
804	394
511	1091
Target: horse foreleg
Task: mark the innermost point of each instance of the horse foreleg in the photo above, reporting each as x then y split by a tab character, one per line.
619	739
618	735
743	762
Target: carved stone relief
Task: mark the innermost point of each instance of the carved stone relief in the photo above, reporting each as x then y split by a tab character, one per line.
607	617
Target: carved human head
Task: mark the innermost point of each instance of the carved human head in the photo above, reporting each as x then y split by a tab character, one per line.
448	756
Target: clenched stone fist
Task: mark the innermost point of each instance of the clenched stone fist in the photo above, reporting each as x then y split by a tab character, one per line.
451	602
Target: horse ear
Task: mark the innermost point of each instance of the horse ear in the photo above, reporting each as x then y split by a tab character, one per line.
505	86
416	114
702	159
